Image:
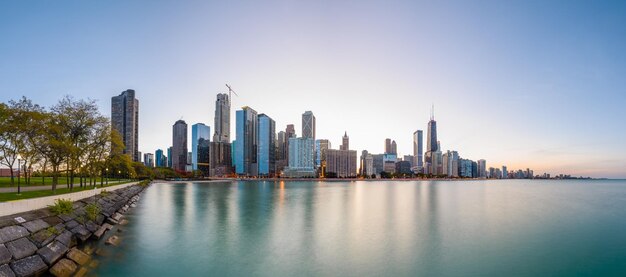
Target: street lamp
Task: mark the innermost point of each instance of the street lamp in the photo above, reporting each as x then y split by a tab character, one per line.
119	174
107	175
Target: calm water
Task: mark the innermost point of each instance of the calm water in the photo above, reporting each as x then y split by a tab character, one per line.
463	228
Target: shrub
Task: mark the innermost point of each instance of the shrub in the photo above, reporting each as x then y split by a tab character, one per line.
62	206
53	231
92	210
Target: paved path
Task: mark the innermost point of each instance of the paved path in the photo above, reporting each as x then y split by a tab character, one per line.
35	188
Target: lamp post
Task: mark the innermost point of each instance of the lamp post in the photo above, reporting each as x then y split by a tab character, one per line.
19	169
107	176
119	174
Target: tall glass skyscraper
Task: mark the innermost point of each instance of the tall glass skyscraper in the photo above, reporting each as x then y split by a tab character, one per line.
431	146
159	158
308	125
200	139
246	142
418	150
125	120
266	146
222	118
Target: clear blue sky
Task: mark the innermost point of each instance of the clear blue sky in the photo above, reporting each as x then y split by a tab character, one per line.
538	84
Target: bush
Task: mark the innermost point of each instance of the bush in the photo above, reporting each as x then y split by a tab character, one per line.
62	206
144	183
92	210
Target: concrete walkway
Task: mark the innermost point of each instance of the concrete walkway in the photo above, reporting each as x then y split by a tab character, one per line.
24	205
46	187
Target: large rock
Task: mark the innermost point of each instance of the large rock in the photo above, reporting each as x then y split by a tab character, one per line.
91	226
52	252
78	256
64	268
6	271
117	216
12	233
42	238
71	224
29	266
100	232
81	232
5	255
21	248
113	240
67	238
35	225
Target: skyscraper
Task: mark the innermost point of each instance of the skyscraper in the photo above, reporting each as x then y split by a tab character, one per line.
388	146
431	143
125	120
301	158
290	132
159	158
220	153
148	159
169	157
418	148
321	145
179	145
222	118
246	142
394	147
200	143
482	168
266	147
308	125
345	142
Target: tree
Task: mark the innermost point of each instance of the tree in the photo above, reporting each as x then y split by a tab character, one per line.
28	130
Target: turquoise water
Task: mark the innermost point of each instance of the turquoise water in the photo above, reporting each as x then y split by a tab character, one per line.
458	228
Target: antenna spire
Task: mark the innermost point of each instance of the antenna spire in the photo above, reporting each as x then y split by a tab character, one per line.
432	112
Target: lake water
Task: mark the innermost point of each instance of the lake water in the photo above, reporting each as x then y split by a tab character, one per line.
393	228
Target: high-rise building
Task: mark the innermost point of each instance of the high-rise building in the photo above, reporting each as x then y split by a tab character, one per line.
266	146
301	158
308	125
148	159
170	158
125	120
200	143
431	143
369	165
290	132
388	146
482	169
340	163
505	172
222	118
394	147
280	146
179	145
345	142
378	162
410	159
159	158
220	161
418	149
246	142
362	164
321	145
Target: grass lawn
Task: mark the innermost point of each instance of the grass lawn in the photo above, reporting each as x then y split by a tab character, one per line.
5	182
9	196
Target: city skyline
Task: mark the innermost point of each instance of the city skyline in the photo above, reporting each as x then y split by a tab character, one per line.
549	98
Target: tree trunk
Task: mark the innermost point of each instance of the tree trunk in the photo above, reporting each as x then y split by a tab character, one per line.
12	177
55	178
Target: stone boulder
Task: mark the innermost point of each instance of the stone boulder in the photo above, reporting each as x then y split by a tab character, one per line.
6	271
12	233
64	268
21	248
35	225
5	255
78	256
29	266
52	252
66	238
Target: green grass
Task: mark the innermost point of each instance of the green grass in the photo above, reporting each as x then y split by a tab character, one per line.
10	196
5	182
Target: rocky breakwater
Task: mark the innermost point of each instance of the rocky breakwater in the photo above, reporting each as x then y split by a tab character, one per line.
47	241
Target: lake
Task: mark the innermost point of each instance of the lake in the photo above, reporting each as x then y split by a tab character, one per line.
382	228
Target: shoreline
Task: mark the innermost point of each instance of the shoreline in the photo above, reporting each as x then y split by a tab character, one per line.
229	179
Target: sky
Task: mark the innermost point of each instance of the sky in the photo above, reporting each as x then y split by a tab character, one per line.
527	84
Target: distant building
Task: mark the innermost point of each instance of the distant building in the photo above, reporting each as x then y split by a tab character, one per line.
148	159
341	163
246	142
159	158
266	146
200	143
431	145
378	162
290	132
220	155
169	157
403	167
410	159
362	164
482	169
369	165
465	168
394	147
125	120
505	172
301	158
308	125
179	146
321	145
418	149
387	146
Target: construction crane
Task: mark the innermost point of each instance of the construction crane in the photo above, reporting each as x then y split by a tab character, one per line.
230	90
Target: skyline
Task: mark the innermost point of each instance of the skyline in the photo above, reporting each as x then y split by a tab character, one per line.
516	84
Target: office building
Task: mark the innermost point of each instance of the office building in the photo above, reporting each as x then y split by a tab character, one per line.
431	144
266	146
308	125
159	158
222	118
388	146
200	143
321	145
125	120
220	152
246	142
341	163
345	142
179	146
169	157
482	169
418	153
148	159
301	158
